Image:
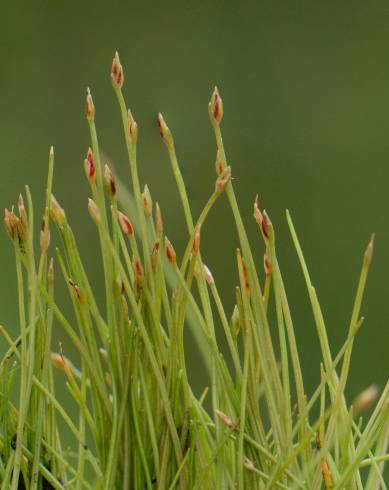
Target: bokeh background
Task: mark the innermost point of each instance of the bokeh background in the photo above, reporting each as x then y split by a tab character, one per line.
306	95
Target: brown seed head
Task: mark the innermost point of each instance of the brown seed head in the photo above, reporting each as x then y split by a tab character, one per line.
170	253
215	107
90	167
60	362
132	128
154	256
22	212
164	131
117	74
125	224
89	106
223	179
224	418
76	289
110	183
9	223
45	233
138	270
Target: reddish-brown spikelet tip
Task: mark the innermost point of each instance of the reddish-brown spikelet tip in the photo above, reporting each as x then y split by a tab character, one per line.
45	233
267	264
60	362
117	71
224	418
147	201
164	131
110	182
89	166
89	106
76	289
94	211
216	107
170	253
138	270
8	221
132	127
196	240
22	211
125	224
265	224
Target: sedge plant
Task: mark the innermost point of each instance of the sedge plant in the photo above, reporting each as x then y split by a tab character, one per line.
138	423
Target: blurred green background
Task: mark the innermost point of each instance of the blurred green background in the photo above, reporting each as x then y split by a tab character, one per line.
305	87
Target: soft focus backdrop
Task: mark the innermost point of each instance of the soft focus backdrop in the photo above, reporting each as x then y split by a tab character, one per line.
305	87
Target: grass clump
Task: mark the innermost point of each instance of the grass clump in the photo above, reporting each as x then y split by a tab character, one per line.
139	424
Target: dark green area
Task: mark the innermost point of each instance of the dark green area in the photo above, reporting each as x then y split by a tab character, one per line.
306	94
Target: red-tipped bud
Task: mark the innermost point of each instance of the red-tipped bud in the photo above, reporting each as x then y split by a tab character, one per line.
117	74
89	106
110	183
147	201
224	418
267	264
243	273
90	167
365	399
57	213
94	211
132	128
208	276
125	224
248	464
265	224
215	107
196	240
223	179
158	219
219	163
45	233
164	131
138	270
76	289
60	362
170	253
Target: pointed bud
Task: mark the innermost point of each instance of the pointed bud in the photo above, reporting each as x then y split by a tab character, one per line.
132	128
223	179
45	233
369	250
248	464
257	213
76	289
365	399
147	201
138	270
208	276
235	321
94	211
158	219
22	212
57	213
50	272
170	253
224	418
196	240
60	362
117	74
90	167
89	107
9	224
267	264
110	183
243	273
154	256
125	224
265	224
164	131
219	163
215	107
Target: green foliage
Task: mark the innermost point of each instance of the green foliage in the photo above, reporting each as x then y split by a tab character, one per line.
139	424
